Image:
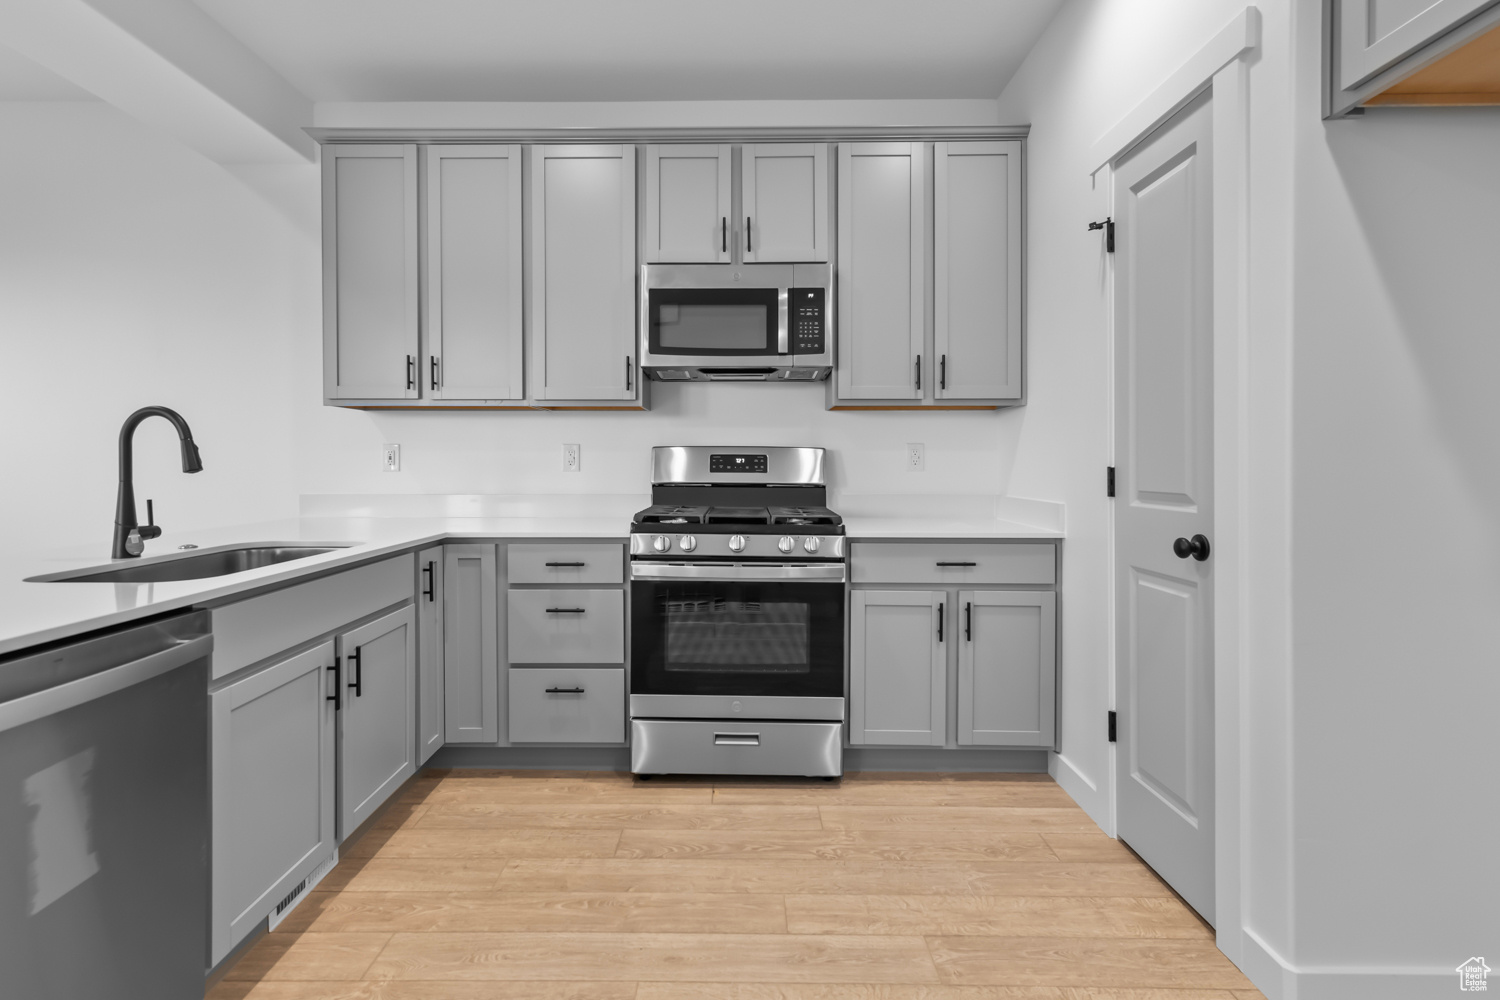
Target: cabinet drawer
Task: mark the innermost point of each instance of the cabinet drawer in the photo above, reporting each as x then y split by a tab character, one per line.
565	563
579	705
263	626
958	564
566	626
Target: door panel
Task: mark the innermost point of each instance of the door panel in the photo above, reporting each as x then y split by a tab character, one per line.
784	193
377	724
898	667
471	644
688	204
1164	458
1007	667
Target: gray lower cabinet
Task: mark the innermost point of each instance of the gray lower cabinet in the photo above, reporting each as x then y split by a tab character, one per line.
471	644
566	626
898	673
430	732
273	789
377	714
1007	667
567	705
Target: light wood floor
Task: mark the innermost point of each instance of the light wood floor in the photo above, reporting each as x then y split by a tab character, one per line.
595	886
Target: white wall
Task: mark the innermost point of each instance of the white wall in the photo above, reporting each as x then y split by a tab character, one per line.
134	271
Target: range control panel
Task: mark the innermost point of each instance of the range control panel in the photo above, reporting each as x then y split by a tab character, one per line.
736	463
806	307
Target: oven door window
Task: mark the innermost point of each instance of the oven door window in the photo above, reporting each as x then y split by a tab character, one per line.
743	639
732	322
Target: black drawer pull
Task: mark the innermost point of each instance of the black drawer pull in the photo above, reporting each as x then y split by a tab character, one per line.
550	565
428	571
566	611
968	621
565	690
958	564
940	621
359	674
336	697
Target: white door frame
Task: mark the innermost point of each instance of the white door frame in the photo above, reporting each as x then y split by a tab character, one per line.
1222	65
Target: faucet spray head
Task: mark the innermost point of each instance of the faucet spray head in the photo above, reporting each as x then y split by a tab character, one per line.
191	461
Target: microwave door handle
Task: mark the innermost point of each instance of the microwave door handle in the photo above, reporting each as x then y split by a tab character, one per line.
781	330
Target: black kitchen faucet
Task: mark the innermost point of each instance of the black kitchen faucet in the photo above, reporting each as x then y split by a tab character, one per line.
130	536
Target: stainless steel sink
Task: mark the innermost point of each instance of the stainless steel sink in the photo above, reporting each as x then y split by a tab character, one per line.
197	566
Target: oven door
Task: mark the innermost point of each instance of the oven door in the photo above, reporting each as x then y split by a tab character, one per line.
725	633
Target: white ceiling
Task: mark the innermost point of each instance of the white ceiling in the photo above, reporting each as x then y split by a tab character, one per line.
638	50
24	80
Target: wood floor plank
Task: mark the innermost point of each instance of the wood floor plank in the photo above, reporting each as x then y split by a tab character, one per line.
423	843
656	957
413	875
517	912
1022	793
880	845
1007	878
886	991
1069	819
309	957
625	815
364	990
1137	963
647	793
1095	846
1018	916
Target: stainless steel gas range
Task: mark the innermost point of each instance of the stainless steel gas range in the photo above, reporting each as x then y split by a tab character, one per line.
737	580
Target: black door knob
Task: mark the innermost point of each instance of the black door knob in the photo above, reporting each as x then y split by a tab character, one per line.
1197	547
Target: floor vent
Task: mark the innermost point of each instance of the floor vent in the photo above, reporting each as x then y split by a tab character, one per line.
291	899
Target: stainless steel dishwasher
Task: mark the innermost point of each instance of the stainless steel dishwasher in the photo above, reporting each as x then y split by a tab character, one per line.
104	815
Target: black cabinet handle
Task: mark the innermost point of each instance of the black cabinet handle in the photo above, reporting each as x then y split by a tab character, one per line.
433	370
627	374
943	372
411	372
565	690
579	564
359	674
919	373
748	247
968	621
1197	547
337	696
428	569
724	243
958	564
566	611
940	621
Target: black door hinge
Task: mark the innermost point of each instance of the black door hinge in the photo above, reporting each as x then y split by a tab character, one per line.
1112	727
1108	225
1109	481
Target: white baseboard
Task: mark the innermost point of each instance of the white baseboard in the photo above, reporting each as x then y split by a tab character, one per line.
1278	979
1091	797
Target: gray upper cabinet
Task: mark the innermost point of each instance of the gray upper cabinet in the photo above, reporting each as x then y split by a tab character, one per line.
882	270
1376	34
1007	667
784	199
898	667
1381	52
370	330
582	284
977	270
471	644
473	273
378	718
272	778
430	734
688	204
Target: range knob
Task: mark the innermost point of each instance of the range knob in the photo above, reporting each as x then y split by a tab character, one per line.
661	543
688	543
787	543
736	543
811	543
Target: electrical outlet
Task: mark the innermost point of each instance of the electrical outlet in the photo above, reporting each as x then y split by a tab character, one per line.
390	457
571	457
916	457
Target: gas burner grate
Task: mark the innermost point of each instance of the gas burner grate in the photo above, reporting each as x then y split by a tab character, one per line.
738	515
804	516
672	515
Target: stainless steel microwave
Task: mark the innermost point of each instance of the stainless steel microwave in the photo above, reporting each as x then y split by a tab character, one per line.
737	322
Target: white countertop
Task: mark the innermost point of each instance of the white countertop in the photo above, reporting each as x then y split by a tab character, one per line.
36	613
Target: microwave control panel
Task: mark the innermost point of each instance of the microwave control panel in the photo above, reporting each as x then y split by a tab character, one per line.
806	306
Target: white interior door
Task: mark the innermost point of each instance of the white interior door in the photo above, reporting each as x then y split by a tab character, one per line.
1164	500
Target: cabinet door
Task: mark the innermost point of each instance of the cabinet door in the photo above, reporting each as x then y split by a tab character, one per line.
473	271
784	191
1007	667
882	269
583	272
898	670
1374	35
378	720
370	272
272	790
471	644
429	652
687	204
977	269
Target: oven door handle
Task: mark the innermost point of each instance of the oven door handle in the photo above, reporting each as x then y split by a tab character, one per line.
736	739
734	572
